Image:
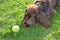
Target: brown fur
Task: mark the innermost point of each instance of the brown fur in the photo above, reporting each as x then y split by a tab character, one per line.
40	12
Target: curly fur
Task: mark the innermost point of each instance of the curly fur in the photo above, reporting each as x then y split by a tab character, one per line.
40	12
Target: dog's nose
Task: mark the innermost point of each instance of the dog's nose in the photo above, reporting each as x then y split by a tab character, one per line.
25	24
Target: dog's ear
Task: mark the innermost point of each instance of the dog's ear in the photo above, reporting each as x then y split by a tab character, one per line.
42	19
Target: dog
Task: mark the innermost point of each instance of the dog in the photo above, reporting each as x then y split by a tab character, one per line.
40	12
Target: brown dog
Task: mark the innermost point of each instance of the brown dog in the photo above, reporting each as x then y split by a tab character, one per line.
40	12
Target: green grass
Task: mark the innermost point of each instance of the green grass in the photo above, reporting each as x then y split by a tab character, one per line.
12	13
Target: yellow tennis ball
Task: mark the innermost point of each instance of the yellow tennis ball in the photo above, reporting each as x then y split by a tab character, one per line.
15	28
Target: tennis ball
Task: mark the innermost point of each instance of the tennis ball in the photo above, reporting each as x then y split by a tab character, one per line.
15	28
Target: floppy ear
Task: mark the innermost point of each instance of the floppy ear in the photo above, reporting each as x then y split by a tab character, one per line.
42	19
51	13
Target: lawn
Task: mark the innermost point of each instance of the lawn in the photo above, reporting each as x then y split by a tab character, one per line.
12	13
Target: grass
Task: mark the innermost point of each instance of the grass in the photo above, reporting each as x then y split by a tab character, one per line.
12	13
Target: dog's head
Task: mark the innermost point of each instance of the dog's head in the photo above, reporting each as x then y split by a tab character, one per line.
36	13
30	14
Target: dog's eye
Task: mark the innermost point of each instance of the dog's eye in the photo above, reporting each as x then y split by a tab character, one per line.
29	15
33	12
34	16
